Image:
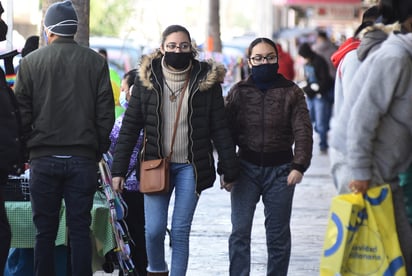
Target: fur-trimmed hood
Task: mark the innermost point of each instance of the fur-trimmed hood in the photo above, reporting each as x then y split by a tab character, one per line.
373	36
379	26
210	72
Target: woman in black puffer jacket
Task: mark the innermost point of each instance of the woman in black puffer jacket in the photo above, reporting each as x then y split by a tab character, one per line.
166	75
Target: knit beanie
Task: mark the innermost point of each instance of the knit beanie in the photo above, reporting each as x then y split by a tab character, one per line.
61	19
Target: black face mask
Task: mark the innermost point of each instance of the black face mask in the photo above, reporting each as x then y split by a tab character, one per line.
178	61
265	72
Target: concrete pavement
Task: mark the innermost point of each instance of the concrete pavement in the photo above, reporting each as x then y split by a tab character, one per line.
211	227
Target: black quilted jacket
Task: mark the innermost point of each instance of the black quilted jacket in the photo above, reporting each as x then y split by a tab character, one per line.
207	122
11	154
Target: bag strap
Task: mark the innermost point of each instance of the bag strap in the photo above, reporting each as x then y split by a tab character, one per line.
178	114
176	120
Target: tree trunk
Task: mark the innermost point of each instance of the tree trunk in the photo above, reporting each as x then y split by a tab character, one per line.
214	42
82	8
83	28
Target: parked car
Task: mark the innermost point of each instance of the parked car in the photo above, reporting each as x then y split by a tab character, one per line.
123	55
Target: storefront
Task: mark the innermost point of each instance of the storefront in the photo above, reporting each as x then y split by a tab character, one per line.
337	14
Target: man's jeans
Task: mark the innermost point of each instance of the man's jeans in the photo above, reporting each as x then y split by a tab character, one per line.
182	180
75	179
320	111
270	183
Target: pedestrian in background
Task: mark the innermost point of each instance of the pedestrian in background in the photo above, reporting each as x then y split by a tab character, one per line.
20	260
164	76
67	110
270	123
8	151
132	196
286	63
115	80
11	149
379	132
31	44
324	47
318	85
10	157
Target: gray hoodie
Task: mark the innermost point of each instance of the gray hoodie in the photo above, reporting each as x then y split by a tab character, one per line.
371	39
379	132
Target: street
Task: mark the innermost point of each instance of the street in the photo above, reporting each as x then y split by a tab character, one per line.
211	227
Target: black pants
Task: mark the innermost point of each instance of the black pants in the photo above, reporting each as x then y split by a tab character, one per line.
5	232
135	223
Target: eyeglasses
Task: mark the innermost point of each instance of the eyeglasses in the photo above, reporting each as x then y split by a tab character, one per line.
258	59
172	46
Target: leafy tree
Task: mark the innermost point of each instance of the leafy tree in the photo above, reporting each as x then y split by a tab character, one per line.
107	18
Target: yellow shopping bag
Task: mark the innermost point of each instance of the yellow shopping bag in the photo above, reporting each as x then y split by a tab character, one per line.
343	221
369	243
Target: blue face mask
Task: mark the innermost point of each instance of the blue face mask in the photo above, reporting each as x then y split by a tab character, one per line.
265	72
122	100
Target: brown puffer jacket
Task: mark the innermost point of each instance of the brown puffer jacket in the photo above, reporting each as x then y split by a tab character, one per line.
266	125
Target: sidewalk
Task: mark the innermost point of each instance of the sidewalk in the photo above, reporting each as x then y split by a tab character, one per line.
211	227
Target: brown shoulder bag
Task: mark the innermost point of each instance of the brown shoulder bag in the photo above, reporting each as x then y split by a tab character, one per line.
154	174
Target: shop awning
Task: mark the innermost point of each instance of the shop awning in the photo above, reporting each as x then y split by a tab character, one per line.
316	2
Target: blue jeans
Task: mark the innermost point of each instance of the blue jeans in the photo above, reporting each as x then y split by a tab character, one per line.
320	111
75	179
270	183
182	181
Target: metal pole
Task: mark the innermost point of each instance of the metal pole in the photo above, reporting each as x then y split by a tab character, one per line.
265	18
9	22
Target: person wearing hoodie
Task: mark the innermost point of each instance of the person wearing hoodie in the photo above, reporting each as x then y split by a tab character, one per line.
371	38
167	75
379	132
346	60
286	63
324	47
